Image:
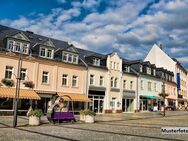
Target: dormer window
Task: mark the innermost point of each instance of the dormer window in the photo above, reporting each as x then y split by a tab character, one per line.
16	46
148	70
154	72
42	52
141	68
127	68
46	52
70	57
96	61
10	45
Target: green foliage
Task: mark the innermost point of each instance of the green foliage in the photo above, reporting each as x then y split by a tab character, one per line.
36	112
29	84
8	82
87	112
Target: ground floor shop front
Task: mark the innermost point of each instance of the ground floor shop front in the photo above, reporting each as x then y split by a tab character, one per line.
147	103
36	99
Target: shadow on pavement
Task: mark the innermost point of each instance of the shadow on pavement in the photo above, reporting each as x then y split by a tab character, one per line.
47	135
124	134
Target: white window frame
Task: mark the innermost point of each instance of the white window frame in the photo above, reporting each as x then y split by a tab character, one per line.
92	78
149	86
142	84
124	84
9	70
75	78
46	52
65	77
101	80
96	61
22	72
131	85
116	82
74	57
45	75
141	68
112	82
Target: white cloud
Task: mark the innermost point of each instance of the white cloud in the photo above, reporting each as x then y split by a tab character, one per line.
118	27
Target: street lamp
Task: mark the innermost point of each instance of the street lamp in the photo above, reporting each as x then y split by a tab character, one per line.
163	95
17	88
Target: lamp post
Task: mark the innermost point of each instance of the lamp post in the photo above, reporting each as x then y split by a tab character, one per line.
17	89
163	95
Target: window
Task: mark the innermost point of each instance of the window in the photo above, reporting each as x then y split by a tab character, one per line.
45	52
24	48
154	72
75	58
124	84
74	81
112	82
111	65
155	87
42	52
114	65
148	70
127	68
23	74
141	68
65	80
96	61
10	45
8	72
17	47
117	66
71	58
45	77
142	85
115	82
149	86
101	80
131	85
49	53
91	79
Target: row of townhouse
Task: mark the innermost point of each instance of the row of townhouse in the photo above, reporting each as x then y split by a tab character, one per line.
103	83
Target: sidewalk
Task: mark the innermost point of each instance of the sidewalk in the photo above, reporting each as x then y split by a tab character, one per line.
7	121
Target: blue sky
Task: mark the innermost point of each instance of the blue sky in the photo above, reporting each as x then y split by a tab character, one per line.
130	27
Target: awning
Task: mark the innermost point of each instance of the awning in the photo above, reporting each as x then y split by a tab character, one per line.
150	96
74	97
24	93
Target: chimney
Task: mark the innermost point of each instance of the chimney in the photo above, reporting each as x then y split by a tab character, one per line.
161	46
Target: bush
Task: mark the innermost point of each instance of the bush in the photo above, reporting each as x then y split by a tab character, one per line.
7	82
36	112
87	112
29	84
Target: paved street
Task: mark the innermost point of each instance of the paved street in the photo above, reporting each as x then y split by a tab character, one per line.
112	127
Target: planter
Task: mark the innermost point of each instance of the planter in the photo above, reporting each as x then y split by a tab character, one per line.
107	111
82	117
34	120
89	119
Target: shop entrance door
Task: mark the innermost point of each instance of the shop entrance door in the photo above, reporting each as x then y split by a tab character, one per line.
98	105
129	105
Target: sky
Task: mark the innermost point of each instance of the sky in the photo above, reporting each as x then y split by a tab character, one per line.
129	27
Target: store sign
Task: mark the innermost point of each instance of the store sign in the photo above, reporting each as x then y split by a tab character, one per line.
178	81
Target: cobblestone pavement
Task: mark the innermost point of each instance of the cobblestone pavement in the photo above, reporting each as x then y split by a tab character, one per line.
111	127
